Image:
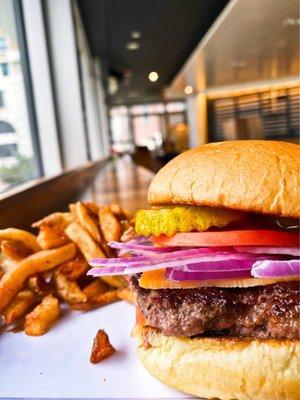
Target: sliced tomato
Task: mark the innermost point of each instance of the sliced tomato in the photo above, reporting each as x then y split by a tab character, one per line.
230	238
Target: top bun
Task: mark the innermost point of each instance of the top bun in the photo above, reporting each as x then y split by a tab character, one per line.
250	175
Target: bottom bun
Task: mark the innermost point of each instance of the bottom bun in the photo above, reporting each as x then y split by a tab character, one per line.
224	368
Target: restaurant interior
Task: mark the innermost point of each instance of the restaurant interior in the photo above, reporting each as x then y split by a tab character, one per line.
97	95
200	284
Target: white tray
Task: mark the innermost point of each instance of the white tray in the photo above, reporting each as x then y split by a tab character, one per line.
57	364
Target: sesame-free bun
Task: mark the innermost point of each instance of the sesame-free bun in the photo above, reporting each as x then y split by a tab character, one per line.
223	368
250	175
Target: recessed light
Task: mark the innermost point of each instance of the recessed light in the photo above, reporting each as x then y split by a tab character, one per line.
135	34
132	45
153	76
188	89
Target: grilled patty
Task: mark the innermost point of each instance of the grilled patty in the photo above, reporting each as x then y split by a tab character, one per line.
271	311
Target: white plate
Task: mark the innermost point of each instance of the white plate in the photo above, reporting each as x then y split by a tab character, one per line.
57	364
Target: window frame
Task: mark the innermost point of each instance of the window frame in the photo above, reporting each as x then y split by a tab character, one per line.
28	89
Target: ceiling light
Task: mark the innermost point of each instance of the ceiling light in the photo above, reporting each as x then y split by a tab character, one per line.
153	76
132	45
135	34
188	89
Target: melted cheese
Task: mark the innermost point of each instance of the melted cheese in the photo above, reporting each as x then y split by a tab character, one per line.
156	280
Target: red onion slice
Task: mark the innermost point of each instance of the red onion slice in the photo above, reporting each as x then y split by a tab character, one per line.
141	249
275	269
179	275
291	251
169	263
220	266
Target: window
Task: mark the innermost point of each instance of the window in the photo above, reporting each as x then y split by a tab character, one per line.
273	114
121	134
19	154
153	125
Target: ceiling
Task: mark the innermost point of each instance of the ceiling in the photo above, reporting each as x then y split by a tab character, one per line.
261	46
170	30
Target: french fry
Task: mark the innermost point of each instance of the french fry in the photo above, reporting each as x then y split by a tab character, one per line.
7	264
82	306
23	301
94	209
98	286
117	281
127	295
90	250
27	238
42	317
97	301
86	221
68	290
84	241
110	226
74	269
117	210
63	219
102	347
38	286
41	261
105	298
129	234
51	237
15	250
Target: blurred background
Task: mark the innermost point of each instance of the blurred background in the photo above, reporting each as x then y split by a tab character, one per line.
85	80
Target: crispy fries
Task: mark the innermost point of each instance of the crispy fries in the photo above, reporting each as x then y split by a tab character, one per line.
7	264
98	286
84	241
127	295
74	269
48	269
105	298
117	210
93	207
51	237
28	239
39	286
102	347
129	234
56	219
83	216
68	290
42	317
97	301
110	225
23	301
41	261
15	250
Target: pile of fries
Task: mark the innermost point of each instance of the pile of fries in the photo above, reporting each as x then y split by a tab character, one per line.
40	272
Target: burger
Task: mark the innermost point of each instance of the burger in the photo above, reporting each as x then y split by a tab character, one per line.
215	270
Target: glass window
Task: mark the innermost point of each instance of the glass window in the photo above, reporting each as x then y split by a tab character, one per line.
148	131
121	135
18	155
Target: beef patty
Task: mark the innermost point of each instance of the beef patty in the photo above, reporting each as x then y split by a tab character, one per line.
270	311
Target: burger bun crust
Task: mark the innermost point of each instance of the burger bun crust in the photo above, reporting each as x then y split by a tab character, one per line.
223	368
259	176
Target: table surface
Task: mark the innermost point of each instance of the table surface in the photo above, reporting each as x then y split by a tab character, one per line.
120	181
